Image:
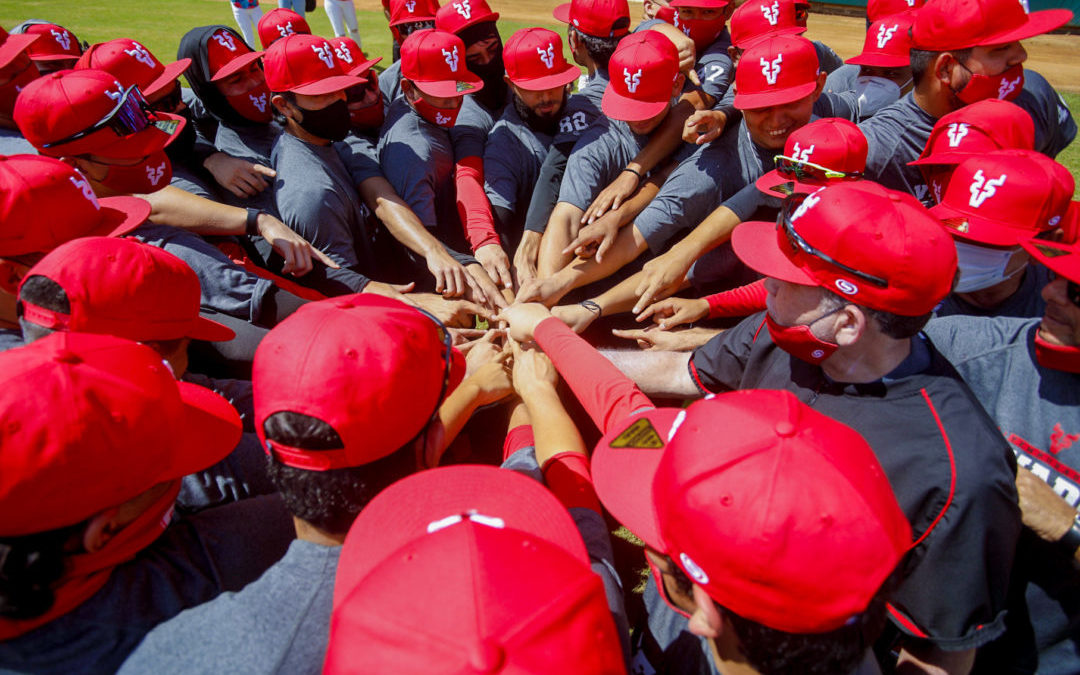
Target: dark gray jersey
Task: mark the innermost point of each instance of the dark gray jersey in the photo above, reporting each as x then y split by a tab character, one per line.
512	164
598	157
896	135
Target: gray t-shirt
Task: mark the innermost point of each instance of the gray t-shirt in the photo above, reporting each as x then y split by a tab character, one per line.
277	624
583	109
1055	127
512	162
254	143
360	154
470	131
13	143
842	79
597	158
390	84
896	135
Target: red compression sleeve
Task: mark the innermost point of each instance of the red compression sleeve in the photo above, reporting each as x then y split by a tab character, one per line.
472	203
741	301
567	476
607	395
517	438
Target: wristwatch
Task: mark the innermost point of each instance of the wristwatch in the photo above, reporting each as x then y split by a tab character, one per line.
1071	540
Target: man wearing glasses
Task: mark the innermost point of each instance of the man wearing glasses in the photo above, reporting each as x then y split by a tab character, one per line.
854	271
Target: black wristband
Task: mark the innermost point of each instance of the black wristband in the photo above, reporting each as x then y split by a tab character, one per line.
633	171
251	227
1071	540
592	306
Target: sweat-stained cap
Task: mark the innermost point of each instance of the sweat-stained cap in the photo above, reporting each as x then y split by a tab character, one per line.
370	367
434	61
534	60
1005	196
870	245
943	25
721	487
131	63
279	23
497	562
887	44
757	19
598	18
45	202
305	64
125	288
813	156
127	425
643	71
774	71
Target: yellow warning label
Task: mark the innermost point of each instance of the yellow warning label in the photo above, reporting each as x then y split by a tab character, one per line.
640	434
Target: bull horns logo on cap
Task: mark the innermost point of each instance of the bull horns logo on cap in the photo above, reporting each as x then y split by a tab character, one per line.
772	13
463	9
451	59
956	133
802	155
807	204
547	55
885	34
225	40
325	54
140	54
633	80
982	189
771	69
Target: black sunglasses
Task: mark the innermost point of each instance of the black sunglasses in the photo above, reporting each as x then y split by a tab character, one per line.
797	242
129	116
448	346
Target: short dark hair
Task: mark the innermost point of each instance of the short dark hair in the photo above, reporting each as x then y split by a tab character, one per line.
288	96
29	566
599	49
896	326
45	293
329	500
922	61
776	652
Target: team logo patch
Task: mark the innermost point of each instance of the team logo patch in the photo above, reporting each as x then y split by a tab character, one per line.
285	29
1008	86
140	54
956	133
1059	440
846	287
884	35
641	435
464	86
802	155
325	54
115	95
451	58
632	80
982	189
155	174
63	38
343	54
693	569
547	55
225	40
463	9
258	101
84	186
771	69
772	13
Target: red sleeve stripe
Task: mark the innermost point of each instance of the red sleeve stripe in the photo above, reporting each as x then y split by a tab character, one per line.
952	470
905	622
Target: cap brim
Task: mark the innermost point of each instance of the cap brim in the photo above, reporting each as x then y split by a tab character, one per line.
15	45
121	215
146	142
776	184
406	509
359	70
941	158
549	81
54	57
708	4
1039	22
329	85
988	232
1059	257
619	107
755	244
213	429
562	12
236	64
210	331
773	96
450	88
412	18
879	60
623	473
172	71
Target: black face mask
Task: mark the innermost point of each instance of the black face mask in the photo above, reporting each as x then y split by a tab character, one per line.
540	124
331	123
180	149
493	95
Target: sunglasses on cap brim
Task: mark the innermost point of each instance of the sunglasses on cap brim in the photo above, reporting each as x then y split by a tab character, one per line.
129	116
801	170
799	244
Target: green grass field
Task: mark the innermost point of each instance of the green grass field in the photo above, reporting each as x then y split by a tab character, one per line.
159	24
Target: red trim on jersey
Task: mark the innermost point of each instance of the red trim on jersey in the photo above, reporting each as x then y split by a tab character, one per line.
905	622
1044	456
758	331
697	378
952	470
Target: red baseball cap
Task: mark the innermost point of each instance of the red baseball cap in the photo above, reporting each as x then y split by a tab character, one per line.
758	19
131	63
434	61
721	487
56	44
1063	257
888	43
774	71
534	60
708	4
599	18
881	9
311	363
57	110
305	64
978	128
457	15
45	202
831	143
279	23
1002	197
125	288
942	25
351	57
226	53
643	71
498	564
412	11
13	45
126	425
887	251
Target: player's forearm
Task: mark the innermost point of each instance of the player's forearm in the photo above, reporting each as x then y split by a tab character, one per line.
629	244
453	414
179	208
553	430
663	374
715	230
664	141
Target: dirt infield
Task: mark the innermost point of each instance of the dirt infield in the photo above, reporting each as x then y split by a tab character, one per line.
1054	56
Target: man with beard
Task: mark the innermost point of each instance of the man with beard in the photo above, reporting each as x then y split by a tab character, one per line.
538	75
